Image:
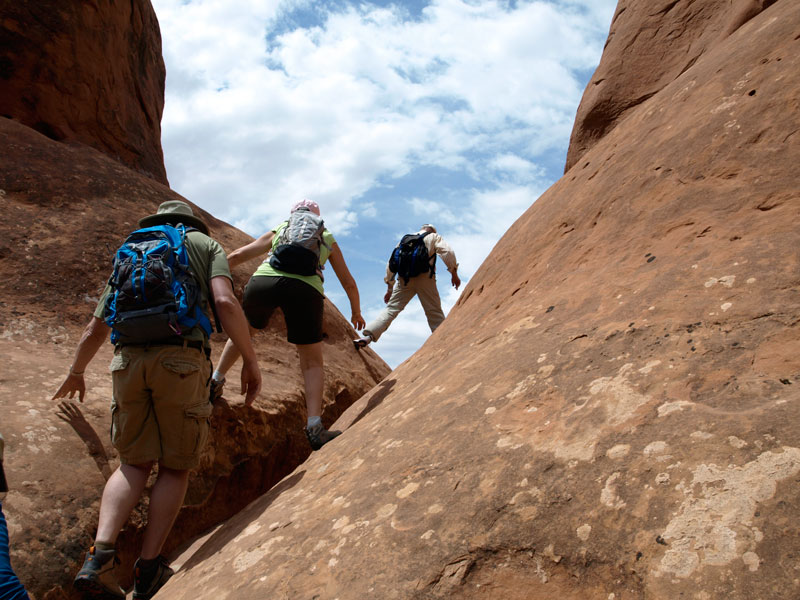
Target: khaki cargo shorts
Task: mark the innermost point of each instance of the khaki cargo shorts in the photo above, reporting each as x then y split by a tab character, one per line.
160	408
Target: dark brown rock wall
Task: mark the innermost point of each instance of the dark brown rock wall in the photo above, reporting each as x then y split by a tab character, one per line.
89	72
610	410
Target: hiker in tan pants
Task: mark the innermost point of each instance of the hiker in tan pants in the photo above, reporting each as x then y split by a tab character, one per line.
401	291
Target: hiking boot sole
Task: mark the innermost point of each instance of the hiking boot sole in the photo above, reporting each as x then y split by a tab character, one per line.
318	441
94	590
216	389
163	574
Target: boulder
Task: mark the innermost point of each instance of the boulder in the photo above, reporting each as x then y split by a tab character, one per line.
66	209
609	412
87	73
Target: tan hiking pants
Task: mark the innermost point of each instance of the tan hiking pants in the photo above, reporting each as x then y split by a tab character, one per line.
423	286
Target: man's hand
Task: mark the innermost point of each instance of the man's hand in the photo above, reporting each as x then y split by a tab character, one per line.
358	321
251	382
72	384
95	334
454	279
388	294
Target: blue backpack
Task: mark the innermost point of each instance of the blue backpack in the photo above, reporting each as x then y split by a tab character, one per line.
410	257
154	294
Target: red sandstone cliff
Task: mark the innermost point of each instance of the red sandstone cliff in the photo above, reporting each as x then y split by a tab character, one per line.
651	44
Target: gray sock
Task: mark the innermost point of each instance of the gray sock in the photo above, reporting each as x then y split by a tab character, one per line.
217	376
313	422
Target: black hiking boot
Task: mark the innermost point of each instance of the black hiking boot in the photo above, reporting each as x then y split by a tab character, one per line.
216	389
363	341
318	436
96	578
147	581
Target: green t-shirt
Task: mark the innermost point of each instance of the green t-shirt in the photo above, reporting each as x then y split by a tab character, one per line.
208	260
315	281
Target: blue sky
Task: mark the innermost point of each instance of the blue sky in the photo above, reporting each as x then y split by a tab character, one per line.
388	114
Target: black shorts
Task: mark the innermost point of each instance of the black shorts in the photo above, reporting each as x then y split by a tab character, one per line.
301	304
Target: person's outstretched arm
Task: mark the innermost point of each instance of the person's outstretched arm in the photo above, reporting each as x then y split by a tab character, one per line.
93	336
349	285
389	280
447	255
235	325
257	247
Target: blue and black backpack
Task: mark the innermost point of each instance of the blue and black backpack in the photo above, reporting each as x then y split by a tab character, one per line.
410	257
154	294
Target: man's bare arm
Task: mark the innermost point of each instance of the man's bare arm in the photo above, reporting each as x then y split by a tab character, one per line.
93	336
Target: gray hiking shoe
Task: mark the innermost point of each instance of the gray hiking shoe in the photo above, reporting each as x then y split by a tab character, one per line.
96	578
318	436
216	389
3	482
147	581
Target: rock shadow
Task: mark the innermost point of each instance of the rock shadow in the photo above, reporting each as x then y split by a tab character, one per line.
69	412
376	398
234	526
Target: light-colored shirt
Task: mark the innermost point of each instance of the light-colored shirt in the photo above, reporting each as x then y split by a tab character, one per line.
436	246
267	270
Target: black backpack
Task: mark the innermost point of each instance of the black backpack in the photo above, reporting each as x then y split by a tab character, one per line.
296	250
410	257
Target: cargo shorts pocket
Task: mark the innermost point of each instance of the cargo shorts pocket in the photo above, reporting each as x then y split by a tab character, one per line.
113	434
119	363
181	366
195	428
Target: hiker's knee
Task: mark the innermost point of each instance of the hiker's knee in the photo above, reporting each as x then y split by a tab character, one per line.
138	468
310	355
164	470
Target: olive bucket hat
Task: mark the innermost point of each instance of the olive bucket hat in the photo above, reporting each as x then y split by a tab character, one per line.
174	212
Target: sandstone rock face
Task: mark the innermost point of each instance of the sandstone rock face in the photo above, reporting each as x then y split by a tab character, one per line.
65	210
650	44
88	72
610	410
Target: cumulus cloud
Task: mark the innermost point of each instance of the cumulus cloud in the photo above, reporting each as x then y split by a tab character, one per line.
387	114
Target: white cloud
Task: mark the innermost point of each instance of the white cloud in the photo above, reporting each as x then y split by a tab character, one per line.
452	115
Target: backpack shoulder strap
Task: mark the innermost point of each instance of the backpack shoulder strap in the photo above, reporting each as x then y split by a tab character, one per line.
431	257
211	302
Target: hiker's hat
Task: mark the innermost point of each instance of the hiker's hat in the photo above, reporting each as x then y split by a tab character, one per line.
173	212
306	203
429	226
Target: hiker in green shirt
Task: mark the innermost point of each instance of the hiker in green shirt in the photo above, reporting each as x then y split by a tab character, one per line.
301	299
159	409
